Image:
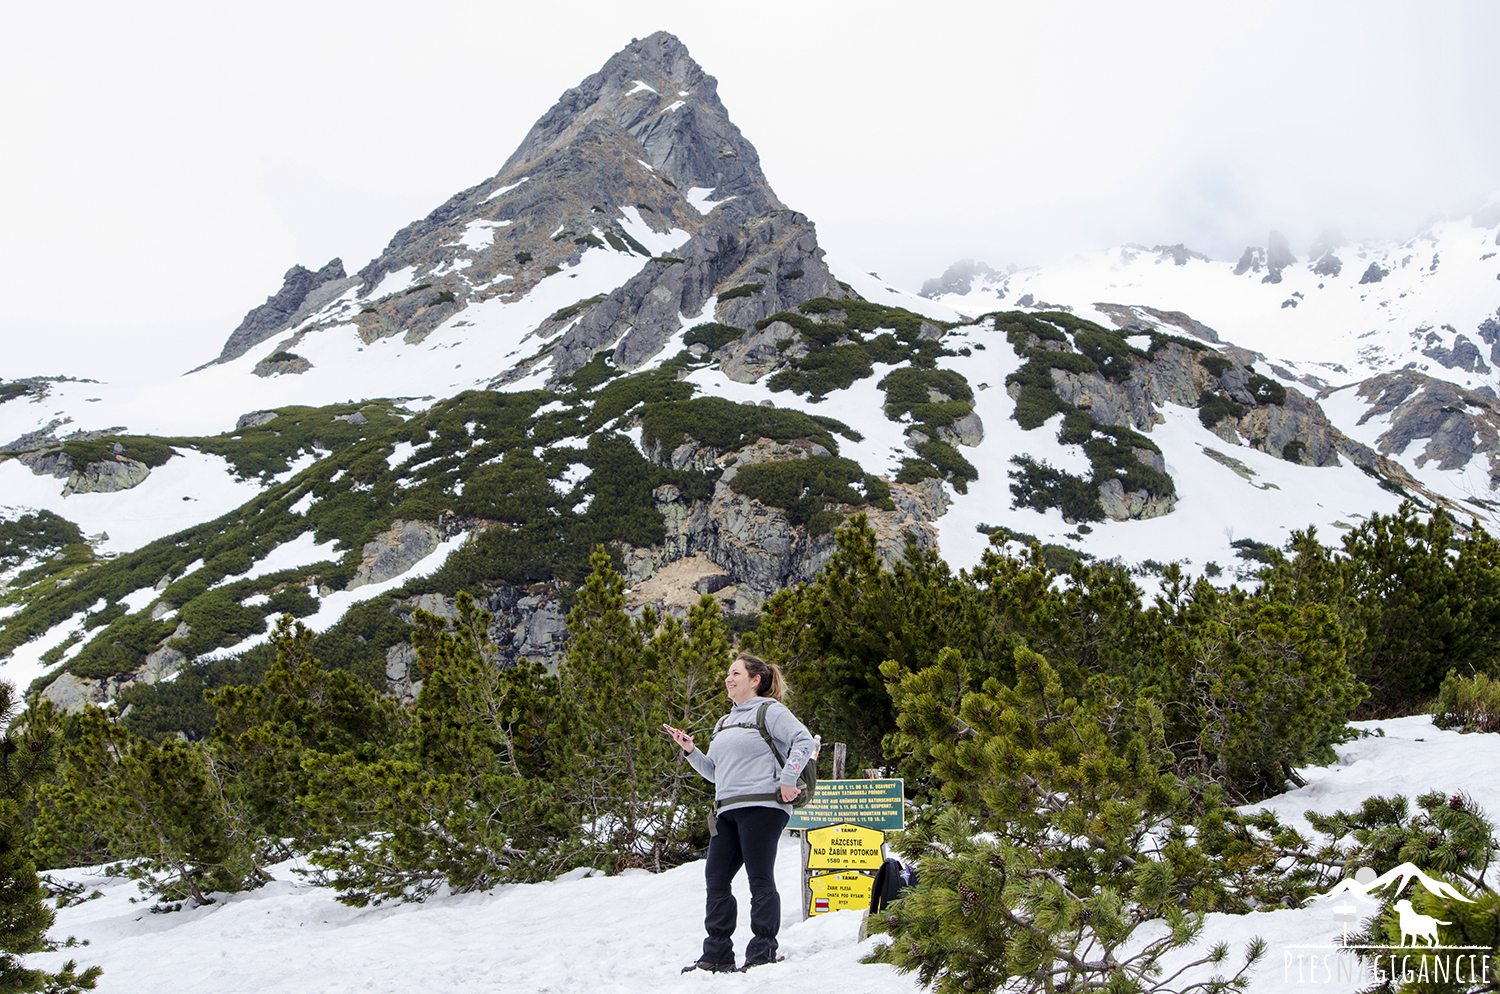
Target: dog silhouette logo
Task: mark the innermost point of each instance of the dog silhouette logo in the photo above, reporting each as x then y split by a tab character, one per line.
1416	925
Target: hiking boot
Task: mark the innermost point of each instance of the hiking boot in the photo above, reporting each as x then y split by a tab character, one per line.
704	964
759	962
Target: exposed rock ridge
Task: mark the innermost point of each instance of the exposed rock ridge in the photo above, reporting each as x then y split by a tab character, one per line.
696	146
1455	423
302	292
778	251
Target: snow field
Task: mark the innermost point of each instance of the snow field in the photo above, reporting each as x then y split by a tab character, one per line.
189	488
635	931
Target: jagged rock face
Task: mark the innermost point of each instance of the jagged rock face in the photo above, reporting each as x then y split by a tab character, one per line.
1457	424
1172	376
631	141
1122	505
1273	428
302	292
1129	316
730	249
760	551
1252	261
523	625
297	364
1463	355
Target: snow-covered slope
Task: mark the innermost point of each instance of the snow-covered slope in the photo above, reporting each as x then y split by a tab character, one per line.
1399	342
635	931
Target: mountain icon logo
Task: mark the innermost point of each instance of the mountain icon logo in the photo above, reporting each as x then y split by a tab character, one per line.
1364	881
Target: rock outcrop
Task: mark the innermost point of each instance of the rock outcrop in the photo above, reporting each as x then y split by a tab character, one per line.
302	293
644	141
72	693
1456	424
104	477
1278	257
395	551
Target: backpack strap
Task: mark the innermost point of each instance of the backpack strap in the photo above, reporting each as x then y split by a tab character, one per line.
760	725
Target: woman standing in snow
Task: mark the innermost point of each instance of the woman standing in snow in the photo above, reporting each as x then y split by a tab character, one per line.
753	792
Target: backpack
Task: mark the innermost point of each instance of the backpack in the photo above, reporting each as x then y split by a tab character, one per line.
890	880
807	779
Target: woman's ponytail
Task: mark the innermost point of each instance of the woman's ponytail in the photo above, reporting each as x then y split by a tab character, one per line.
767	676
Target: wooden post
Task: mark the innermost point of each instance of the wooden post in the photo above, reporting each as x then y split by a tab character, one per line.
840	754
872	774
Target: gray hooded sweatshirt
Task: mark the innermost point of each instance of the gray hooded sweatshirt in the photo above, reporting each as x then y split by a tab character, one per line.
739	762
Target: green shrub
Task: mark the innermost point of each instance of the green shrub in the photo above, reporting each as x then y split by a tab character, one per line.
523	258
616	242
1213	408
565	313
1266	390
1108	350
712	335
1215	363
1040	486
917	470
743	290
551	270
823	371
1468	703
1035	405
1160	340
909	391
589	240
953	467
282	357
1259	552
801	487
795	274
726	425
1293	450
36	534
143	449
635	246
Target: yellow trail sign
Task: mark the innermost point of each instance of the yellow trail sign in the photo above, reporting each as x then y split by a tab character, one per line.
836	891
841	847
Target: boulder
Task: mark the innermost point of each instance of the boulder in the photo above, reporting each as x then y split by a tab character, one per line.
967	430
107	477
393	552
255	419
1122	505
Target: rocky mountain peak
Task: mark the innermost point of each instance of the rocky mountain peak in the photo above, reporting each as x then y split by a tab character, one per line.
655	93
640	160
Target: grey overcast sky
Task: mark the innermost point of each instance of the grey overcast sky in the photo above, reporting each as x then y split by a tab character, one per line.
165	161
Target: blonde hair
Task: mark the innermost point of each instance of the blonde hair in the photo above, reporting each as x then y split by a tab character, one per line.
767	676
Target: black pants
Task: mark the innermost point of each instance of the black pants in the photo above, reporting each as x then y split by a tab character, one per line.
747	837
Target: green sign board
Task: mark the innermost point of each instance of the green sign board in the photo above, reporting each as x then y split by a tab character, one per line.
871	803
